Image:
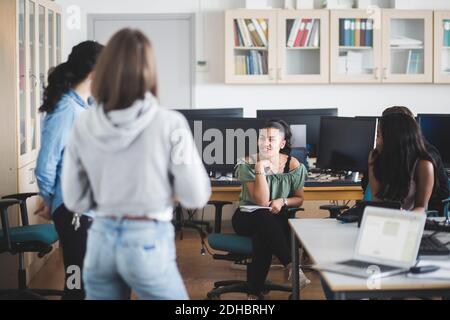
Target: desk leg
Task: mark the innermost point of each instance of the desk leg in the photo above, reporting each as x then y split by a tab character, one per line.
295	267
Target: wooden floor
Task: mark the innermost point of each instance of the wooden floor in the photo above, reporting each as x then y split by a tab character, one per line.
199	273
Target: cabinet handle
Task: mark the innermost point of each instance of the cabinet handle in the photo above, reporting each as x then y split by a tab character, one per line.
280	73
271	74
376	73
33	177
34	80
385	73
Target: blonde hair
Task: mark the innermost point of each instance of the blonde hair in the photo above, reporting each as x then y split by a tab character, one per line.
125	71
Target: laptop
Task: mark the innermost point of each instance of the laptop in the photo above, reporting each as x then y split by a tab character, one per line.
388	243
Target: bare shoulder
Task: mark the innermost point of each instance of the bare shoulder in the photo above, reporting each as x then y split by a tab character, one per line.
425	166
294	164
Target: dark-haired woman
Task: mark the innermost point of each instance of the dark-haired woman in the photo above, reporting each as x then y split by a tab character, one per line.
65	97
271	178
400	168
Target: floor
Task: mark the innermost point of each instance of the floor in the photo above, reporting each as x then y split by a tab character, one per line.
199	273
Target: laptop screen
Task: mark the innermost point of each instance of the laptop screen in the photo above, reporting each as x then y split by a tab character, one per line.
390	237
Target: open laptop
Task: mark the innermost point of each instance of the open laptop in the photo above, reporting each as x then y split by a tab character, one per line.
388	243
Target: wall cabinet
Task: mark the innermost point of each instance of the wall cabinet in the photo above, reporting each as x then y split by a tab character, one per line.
30	40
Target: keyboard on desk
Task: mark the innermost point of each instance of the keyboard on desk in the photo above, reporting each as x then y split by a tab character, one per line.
222	183
332	183
430	246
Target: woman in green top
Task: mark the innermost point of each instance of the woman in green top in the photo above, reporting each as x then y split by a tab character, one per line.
272	179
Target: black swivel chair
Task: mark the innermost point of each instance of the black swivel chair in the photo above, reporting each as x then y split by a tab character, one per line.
25	238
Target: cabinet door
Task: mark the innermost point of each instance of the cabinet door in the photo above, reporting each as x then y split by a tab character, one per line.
355	49
407	46
250	46
58	39
33	77
442	47
302	46
51	38
22	71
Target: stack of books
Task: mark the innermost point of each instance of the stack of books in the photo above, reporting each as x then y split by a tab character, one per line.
356	32
252	63
415	60
250	33
303	33
446	33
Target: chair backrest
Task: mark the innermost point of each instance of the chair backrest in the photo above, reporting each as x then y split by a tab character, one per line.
368	193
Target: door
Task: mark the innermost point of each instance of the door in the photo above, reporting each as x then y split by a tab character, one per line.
172	36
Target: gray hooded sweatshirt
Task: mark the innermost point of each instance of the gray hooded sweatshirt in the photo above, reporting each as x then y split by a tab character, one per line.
133	162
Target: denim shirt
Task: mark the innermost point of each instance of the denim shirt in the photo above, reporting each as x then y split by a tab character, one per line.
56	127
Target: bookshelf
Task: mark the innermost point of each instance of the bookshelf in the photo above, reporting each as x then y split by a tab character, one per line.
355	42
407	46
342	46
302	46
260	46
442	46
250	46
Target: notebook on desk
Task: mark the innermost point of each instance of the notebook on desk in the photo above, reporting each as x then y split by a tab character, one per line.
387	244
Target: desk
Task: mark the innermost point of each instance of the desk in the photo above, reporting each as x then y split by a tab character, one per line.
328	240
231	193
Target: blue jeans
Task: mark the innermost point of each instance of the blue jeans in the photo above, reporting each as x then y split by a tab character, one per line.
125	255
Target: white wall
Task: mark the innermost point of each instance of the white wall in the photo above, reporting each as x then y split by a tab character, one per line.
212	92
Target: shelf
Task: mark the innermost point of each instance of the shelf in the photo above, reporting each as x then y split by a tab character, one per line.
406	48
302	48
355	48
251	48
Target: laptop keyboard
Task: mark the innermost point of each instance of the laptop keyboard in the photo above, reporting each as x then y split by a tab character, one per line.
430	246
366	265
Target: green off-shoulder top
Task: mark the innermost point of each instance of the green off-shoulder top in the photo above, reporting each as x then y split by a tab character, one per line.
281	185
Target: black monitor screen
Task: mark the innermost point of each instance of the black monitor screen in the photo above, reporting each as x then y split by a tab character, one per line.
345	143
222	141
308	117
436	130
193	114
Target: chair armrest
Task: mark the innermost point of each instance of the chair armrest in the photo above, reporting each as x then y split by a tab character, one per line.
4	205
218	205
22	197
291	211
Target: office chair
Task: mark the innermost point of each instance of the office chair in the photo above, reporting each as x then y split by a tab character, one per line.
238	248
25	238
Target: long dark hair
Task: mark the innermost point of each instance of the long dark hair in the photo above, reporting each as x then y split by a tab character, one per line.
285	129
403	146
65	76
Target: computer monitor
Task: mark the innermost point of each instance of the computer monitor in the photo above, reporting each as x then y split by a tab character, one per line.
308	117
345	143
222	141
193	114
436	130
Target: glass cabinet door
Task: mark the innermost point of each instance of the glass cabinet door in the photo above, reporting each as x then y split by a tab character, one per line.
32	74
58	39
250	56
407	46
42	55
51	39
302	46
355	46
442	47
22	79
